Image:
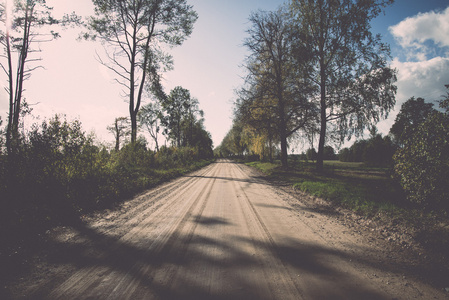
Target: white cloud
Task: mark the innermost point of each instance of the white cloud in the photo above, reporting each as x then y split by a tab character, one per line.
425	79
422	79
421	76
412	33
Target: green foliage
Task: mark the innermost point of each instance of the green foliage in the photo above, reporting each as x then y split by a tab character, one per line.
329	153
422	165
265	167
350	185
413	112
311	154
60	172
234	143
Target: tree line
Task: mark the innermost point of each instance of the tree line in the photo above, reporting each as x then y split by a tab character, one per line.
415	151
177	117
315	70
316	73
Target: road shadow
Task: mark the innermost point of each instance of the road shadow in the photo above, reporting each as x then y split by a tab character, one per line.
304	261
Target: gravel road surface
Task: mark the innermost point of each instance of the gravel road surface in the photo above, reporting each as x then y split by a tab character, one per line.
218	233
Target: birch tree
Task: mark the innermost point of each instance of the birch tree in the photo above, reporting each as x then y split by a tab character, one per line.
354	86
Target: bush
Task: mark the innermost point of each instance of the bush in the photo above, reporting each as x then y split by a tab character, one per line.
422	165
58	172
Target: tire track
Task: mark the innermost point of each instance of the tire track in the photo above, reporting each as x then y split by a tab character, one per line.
91	279
270	245
155	197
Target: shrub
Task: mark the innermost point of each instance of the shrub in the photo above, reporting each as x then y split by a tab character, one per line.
422	165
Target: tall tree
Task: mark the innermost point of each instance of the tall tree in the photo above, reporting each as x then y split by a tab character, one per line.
277	92
348	64
134	31
26	24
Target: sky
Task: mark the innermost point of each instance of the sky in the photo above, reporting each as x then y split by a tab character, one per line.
209	64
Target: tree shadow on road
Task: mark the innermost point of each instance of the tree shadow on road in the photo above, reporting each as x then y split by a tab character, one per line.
309	266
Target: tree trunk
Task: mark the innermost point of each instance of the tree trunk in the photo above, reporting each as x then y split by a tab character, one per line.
157	144
283	134
320	155
133	127
284	155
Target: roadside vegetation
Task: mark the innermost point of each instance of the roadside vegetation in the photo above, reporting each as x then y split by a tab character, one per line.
399	181
353	185
407	168
317	75
59	172
52	172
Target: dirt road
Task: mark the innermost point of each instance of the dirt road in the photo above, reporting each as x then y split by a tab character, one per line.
220	233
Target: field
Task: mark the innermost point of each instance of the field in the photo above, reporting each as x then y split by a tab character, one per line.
365	190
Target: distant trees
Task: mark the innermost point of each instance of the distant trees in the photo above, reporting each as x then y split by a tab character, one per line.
376	151
311	154
26	24
181	112
134	31
353	85
233	143
119	129
178	117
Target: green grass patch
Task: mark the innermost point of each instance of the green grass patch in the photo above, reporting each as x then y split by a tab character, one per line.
265	167
366	190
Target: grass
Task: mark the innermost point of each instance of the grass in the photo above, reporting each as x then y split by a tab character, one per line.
363	189
373	194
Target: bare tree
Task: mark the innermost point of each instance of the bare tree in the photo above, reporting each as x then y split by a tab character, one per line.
133	31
